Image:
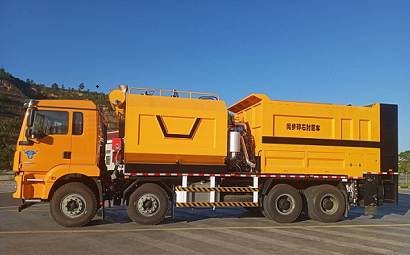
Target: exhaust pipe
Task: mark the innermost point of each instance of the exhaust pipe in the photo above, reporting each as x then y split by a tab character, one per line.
245	152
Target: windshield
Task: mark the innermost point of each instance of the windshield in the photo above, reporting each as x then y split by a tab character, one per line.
50	122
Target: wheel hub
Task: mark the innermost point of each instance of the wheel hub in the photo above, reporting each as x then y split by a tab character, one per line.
73	205
148	204
285	204
328	204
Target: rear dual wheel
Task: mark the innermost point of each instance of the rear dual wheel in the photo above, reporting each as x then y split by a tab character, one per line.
282	204
326	203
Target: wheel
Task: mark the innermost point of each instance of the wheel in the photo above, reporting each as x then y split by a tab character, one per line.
73	205
283	203
309	194
326	203
148	204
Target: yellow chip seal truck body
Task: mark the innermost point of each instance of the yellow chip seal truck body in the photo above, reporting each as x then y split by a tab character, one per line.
174	146
313	138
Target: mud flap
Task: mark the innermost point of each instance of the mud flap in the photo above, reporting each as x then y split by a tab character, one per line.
390	184
99	184
372	195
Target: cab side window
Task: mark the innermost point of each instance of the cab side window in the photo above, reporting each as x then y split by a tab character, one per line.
77	123
51	122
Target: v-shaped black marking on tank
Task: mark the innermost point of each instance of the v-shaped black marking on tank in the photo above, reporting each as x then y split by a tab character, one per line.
166	134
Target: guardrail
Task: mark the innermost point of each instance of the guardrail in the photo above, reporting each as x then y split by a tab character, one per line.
174	93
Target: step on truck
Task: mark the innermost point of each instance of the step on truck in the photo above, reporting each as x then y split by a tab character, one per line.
187	149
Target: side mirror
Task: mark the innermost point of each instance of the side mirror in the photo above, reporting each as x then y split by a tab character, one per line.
32	133
38	134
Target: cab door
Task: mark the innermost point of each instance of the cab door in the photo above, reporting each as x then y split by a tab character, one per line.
54	148
84	138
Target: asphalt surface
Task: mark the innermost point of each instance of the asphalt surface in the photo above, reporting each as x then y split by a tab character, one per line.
204	231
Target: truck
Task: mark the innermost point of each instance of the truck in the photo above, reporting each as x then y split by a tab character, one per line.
188	149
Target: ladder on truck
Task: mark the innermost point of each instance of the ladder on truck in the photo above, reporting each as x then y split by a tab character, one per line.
182	194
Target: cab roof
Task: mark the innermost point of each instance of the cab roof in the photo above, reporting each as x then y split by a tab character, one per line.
77	104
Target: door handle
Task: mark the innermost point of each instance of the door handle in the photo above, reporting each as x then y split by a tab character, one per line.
67	155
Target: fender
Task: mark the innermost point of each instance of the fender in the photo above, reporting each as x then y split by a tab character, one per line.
61	170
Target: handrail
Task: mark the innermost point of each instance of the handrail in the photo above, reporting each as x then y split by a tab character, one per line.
173	93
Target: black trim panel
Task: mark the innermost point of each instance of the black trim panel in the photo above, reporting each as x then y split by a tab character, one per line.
389	151
389	137
173	168
316	141
166	134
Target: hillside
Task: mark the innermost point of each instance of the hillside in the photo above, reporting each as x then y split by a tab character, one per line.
13	92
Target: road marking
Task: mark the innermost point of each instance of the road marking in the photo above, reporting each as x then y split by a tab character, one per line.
8	207
221	243
36	206
31	210
163	245
276	242
384	232
93	244
362	237
120	230
332	241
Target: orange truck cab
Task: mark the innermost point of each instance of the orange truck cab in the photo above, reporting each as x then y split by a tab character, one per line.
60	141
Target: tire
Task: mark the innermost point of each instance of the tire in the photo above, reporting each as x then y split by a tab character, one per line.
261	207
73	205
326	203
282	204
148	204
309	194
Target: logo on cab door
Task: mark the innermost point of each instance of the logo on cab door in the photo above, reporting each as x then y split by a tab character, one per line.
30	153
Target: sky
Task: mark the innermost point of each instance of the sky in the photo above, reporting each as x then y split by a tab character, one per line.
342	52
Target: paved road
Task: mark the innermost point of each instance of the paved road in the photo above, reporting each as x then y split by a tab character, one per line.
203	231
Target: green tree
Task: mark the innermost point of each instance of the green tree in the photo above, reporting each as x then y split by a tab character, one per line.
404	161
54	86
81	86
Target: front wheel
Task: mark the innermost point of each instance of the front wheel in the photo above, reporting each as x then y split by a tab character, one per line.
148	204
73	205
